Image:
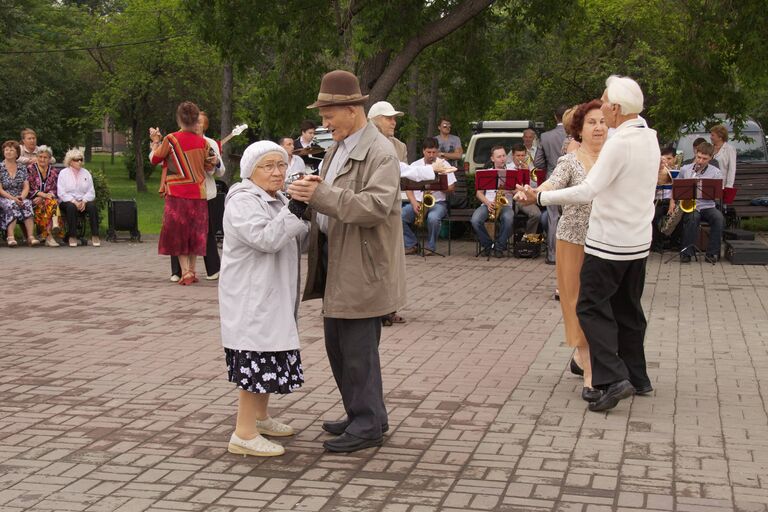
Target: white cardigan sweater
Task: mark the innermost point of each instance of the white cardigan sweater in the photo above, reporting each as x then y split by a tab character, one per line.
621	186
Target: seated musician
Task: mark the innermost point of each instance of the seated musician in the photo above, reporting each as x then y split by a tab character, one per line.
435	214
295	163
663	195
306	140
487	199
705	208
520	161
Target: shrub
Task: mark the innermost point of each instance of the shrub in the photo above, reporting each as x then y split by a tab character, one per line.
103	195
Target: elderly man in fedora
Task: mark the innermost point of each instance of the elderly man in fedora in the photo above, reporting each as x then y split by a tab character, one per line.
356	260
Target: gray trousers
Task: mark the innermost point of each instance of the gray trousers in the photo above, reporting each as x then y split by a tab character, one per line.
352	346
553	215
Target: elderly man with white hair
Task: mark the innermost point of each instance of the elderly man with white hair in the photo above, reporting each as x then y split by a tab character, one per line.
259	295
621	186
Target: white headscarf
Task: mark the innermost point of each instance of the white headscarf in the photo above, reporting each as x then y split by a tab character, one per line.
253	154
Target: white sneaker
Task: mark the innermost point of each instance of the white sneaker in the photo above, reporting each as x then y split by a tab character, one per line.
258	447
175	278
95	241
212	277
272	427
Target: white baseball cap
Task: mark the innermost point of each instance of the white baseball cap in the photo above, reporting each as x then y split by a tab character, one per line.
383	108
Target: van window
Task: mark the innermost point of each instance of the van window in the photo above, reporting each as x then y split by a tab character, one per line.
483	145
750	150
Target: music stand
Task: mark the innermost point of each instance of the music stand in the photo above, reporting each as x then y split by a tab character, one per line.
494	179
439	184
696	188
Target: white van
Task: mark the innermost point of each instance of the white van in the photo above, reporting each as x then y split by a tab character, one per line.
487	134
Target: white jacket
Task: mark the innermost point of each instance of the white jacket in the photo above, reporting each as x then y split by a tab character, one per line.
259	279
622	187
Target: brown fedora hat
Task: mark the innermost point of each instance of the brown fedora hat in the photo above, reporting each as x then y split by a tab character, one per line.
339	88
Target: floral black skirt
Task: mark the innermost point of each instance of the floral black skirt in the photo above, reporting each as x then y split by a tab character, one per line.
265	372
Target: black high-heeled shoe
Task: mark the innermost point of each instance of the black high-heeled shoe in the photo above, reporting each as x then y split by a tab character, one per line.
576	369
590	394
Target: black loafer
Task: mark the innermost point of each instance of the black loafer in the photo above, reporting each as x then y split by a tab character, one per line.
576	369
612	395
347	443
338	427
590	394
643	390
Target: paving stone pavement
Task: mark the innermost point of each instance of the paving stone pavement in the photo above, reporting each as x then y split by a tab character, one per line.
113	396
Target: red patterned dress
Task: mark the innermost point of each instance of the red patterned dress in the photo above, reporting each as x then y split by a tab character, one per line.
186	157
43	181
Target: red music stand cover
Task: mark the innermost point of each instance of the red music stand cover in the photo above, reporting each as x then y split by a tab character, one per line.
439	183
493	179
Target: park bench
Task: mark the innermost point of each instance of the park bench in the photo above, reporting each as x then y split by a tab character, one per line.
751	182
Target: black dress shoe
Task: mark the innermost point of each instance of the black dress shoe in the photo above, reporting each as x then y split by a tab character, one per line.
338	427
590	394
346	443
548	262
576	369
684	258
612	395
643	390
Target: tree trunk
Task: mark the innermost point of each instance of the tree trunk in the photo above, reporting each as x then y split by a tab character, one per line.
227	86
88	154
413	110
432	102
137	139
428	35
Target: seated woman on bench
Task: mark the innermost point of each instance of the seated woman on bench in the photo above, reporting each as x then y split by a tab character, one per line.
77	196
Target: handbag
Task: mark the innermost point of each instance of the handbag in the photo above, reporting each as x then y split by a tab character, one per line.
56	221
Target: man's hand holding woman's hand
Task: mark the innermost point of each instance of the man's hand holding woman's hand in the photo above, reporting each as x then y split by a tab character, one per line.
303	189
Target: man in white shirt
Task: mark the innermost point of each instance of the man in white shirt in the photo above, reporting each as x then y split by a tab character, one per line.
296	164
435	214
506	217
621	186
705	208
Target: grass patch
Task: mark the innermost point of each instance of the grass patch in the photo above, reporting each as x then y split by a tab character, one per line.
149	204
755	224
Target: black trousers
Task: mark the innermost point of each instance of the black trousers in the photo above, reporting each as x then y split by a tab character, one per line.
612	318
353	351
211	258
71	212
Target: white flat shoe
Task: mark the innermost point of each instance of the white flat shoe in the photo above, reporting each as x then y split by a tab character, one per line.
272	427
73	242
95	241
212	277
51	242
258	447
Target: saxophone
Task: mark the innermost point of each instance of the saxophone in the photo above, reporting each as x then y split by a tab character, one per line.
498	203
427	202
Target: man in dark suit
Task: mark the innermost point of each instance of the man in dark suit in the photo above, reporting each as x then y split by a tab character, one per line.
550	149
305	140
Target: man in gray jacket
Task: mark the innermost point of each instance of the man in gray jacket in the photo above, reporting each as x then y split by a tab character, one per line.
356	257
550	149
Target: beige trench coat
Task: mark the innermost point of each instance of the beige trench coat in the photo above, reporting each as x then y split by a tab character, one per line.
366	260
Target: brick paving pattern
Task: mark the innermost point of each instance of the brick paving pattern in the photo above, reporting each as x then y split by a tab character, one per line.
113	396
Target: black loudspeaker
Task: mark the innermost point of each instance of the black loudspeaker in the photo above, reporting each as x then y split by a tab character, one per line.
217	210
746	252
123	216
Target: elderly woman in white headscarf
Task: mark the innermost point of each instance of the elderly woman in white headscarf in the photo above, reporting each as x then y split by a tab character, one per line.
258	295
